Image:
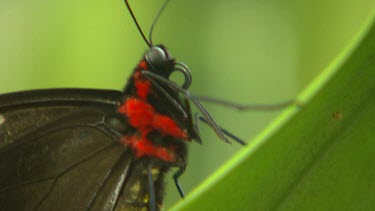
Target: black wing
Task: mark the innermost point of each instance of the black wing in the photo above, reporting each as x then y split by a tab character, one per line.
57	154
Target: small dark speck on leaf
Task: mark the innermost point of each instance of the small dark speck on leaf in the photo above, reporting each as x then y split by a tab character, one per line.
337	115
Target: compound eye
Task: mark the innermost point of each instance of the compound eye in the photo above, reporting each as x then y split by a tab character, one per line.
157	58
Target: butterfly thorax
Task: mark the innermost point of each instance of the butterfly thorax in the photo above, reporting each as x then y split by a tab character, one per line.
160	128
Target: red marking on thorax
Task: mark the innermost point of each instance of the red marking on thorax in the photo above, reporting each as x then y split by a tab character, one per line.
142	85
144	147
143	65
143	116
143	88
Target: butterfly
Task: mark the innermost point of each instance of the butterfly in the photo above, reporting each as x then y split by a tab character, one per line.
84	149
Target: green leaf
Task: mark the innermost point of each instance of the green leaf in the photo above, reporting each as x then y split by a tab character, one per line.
319	156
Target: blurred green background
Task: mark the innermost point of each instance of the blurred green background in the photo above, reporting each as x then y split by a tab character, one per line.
245	51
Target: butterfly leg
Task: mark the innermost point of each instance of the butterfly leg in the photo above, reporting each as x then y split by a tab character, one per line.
151	187
176	175
227	133
181	169
196	128
187	95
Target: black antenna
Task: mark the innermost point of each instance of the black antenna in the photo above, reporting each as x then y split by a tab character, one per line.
149	42
136	23
156	19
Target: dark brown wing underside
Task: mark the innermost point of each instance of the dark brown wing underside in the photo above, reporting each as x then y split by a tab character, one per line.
56	153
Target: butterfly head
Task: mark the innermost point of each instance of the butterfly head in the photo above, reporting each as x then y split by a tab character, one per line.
160	62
